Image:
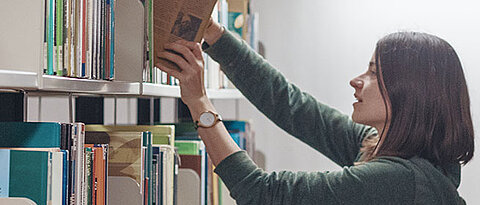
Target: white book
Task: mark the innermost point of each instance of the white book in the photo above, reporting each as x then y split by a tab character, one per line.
89	24
78	70
94	39
57	178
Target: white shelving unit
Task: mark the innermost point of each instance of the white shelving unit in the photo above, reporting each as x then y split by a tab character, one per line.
18	79
30	81
76	85
22	56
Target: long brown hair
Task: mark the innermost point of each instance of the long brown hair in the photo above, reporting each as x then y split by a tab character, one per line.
430	117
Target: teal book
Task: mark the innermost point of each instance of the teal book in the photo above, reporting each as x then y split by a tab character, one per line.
50	36
147	142
30	134
24	174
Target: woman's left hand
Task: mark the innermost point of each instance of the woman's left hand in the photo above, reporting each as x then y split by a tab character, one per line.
190	61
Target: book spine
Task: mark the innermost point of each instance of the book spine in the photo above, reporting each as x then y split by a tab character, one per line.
88	174
50	37
59	27
107	40
84	38
4	173
112	39
75	40
54	35
150	40
65	36
97	36
102	39
71	36
45	37
89	38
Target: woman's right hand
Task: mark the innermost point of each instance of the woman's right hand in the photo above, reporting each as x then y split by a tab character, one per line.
213	32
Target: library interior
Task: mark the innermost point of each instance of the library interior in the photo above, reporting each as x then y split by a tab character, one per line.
223	102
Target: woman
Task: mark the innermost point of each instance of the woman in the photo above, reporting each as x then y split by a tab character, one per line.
409	133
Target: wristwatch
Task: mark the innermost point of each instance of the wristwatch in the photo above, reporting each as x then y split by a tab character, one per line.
207	119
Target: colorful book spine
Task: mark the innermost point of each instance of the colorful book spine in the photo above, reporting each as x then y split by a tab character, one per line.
50	37
59	34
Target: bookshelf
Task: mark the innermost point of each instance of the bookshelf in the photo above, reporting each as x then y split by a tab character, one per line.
22	56
22	65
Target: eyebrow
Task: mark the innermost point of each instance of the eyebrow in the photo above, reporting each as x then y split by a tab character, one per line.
371	63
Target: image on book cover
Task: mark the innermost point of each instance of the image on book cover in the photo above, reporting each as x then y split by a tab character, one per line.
186	26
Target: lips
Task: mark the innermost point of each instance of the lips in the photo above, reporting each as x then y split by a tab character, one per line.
357	98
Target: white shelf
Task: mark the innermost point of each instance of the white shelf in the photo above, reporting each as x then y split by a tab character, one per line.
159	90
29	81
224	94
18	80
150	89
76	85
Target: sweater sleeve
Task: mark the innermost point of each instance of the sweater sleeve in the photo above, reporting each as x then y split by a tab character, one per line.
325	129
381	181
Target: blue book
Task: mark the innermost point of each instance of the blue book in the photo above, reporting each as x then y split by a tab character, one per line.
30	134
65	177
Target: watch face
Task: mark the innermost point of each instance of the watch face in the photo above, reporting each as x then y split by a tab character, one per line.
207	118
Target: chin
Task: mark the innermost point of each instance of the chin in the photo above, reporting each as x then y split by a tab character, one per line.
360	120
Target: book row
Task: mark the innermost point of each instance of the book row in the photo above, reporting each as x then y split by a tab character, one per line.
79	38
64	163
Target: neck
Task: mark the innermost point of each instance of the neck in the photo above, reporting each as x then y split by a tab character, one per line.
382	132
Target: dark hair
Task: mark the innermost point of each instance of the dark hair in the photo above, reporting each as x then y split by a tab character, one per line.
430	108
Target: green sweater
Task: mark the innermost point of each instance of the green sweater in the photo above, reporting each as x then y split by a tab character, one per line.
385	180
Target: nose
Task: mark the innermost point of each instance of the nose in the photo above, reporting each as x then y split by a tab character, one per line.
356	83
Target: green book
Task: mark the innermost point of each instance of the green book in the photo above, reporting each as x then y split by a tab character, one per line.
30	134
25	174
188	147
59	34
88	173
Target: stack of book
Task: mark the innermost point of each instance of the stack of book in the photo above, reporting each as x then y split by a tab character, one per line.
197	183
146	155
45	162
62	164
79	38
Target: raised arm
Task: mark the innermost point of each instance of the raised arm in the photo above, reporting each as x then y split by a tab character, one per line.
383	181
323	128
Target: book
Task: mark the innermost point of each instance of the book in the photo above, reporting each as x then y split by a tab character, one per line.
161	134
30	134
237	17
35	168
174	20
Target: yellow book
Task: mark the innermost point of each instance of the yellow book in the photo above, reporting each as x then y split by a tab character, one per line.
161	134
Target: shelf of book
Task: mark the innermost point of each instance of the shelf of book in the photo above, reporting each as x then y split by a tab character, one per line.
18	79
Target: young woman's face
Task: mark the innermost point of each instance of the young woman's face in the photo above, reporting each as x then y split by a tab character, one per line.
369	107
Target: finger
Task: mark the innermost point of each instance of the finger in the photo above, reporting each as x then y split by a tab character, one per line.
177	59
173	72
194	46
181	49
